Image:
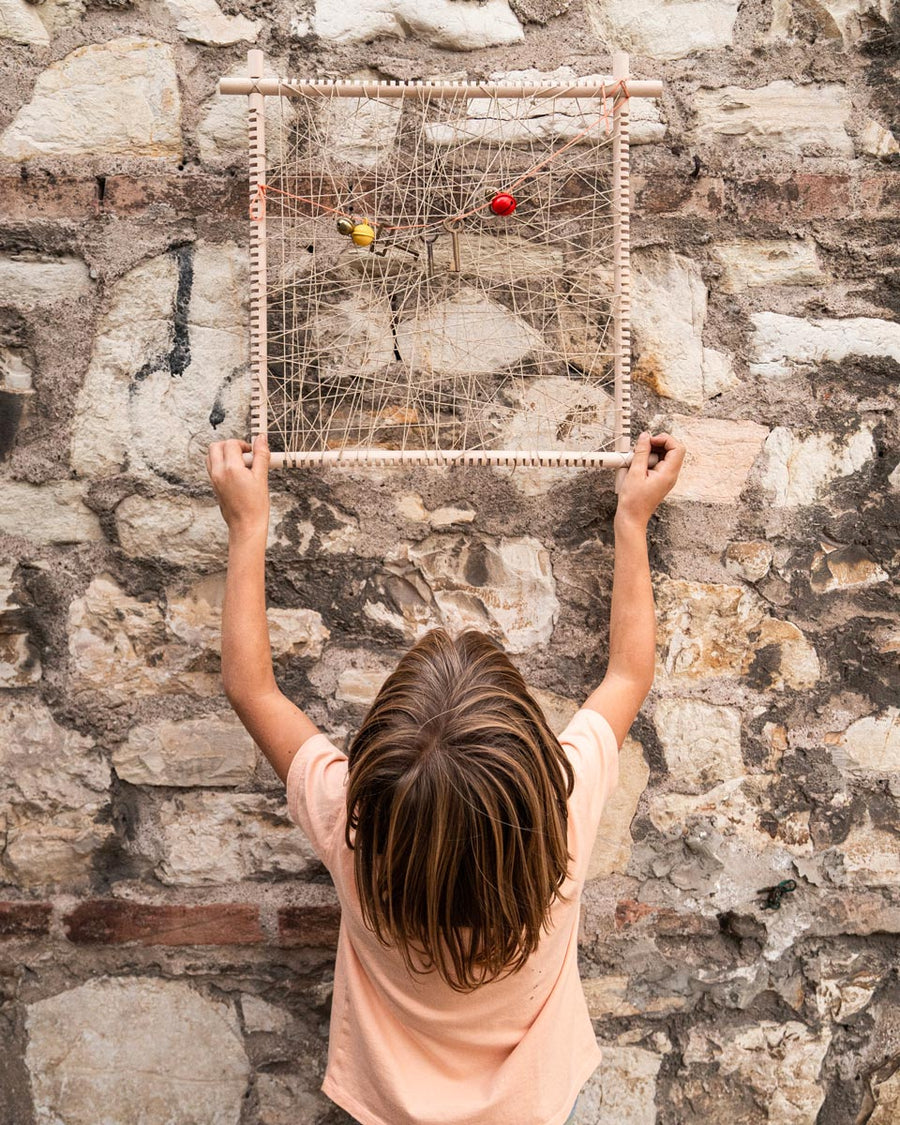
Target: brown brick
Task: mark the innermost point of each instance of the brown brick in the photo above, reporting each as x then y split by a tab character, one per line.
110	921
309	925
682	195
23	919
804	195
879	197
217	196
43	196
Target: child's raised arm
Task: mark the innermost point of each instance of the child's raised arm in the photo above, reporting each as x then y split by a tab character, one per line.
276	725
632	618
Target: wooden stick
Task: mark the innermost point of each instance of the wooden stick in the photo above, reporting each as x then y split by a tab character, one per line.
259	390
271	87
540	458
621	203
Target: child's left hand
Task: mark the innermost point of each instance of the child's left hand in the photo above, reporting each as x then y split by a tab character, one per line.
242	492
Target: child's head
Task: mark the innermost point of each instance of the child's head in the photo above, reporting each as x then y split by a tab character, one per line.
457	795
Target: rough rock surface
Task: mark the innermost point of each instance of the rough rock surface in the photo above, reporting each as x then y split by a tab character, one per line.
168	936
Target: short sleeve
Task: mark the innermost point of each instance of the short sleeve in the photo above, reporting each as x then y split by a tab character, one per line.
593	750
316	793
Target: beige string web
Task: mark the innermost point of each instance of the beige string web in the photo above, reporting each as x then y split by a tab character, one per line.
397	315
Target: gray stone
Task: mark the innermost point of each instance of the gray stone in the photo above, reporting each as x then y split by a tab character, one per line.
135	1049
622	1090
873	742
203	21
749	263
612	845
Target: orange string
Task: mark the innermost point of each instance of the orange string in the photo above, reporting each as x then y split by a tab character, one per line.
258	202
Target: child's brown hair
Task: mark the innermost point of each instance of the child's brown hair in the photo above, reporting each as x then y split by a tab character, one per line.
457	794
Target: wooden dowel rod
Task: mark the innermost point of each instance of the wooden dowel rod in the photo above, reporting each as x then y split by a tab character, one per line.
539	458
645	88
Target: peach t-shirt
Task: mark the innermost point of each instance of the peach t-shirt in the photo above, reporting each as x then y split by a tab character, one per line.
407	1050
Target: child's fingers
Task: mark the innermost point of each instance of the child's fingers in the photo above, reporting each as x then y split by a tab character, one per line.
641	454
234	450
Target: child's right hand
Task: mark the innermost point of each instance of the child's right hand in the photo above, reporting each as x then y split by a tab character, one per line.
644	487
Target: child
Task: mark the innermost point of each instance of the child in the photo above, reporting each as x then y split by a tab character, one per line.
457	831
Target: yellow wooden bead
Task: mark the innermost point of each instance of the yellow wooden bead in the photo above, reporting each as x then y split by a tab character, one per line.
363	234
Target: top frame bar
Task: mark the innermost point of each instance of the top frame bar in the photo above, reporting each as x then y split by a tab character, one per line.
273	87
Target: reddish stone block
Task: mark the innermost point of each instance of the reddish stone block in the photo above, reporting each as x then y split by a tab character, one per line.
111	921
217	196
39	195
803	195
879	197
668	194
24	919
309	926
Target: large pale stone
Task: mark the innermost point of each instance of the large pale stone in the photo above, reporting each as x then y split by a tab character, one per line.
848	20
668	318
569	117
782	344
809	120
466	335
56	513
167	375
29	280
196	618
203	839
748	263
612	846
558	710
184	529
135	1049
711	630
119	646
20	22
203	21
210	750
558	413
780	1062
798	469
664	31
222	129
352	338
720	454
458	25
503	586
510	122
701	742
360	685
496	259
359	131
118	98
53	785
873	742
622	1090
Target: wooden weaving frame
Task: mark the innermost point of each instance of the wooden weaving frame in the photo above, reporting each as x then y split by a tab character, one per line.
257	88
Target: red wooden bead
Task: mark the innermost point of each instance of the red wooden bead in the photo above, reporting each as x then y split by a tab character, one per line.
503	203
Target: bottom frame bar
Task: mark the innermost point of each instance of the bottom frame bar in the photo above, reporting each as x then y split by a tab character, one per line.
551	458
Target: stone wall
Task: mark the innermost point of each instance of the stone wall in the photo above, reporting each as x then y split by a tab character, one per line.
167	935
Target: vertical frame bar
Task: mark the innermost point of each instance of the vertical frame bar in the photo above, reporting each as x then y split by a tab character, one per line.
621	265
259	389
